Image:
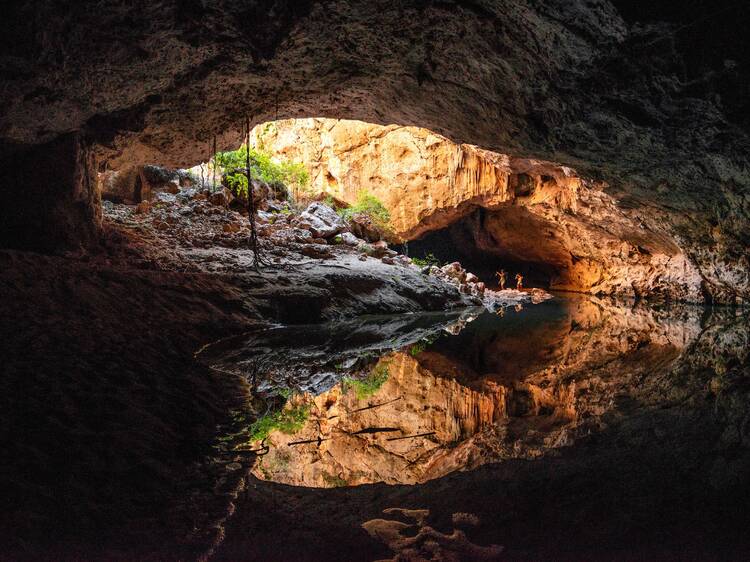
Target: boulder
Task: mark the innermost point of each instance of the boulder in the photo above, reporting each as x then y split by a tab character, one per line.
454	271
142	208
321	220
172	187
159	176
349	239
123	186
221	198
261	194
380	249
185	178
362	226
316	251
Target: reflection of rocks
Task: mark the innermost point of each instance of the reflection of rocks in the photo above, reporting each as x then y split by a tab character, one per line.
417	541
661	426
424	422
489	394
312	359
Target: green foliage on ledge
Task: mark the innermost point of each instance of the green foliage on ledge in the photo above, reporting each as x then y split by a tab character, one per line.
368	204
366	387
286	420
262	167
428	259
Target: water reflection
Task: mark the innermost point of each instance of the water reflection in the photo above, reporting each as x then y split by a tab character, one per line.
411	398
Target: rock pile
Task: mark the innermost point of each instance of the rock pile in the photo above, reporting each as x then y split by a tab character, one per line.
455	274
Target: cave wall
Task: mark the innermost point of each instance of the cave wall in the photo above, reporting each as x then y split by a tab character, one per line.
51	196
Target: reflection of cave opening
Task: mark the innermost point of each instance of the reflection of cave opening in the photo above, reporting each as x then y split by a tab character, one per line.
509	238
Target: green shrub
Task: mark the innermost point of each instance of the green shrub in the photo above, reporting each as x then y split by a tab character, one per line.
417	348
428	259
286	420
371	383
334	481
262	167
368	204
421	345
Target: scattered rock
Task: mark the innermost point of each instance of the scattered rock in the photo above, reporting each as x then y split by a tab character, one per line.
321	220
316	251
349	239
231	227
388	260
362	226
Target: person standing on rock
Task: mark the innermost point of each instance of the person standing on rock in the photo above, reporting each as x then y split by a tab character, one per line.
519	281
501	278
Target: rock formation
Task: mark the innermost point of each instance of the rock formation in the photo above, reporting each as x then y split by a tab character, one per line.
520	209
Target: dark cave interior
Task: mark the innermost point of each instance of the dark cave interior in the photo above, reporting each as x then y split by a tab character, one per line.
488	241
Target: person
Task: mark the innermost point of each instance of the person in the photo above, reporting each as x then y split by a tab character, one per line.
519	281
501	278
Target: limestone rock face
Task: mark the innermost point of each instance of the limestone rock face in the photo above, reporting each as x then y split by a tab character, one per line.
536	211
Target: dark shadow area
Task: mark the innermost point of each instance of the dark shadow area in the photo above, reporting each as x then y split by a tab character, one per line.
488	241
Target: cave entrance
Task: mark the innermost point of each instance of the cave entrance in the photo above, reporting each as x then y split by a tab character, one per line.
509	238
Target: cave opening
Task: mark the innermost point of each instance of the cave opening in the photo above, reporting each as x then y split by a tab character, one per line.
486	241
455	203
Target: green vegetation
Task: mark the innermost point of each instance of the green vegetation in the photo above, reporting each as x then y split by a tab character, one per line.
368	204
262	167
421	345
286	420
369	385
334	481
428	259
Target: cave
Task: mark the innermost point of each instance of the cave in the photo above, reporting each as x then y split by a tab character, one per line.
173	346
486	242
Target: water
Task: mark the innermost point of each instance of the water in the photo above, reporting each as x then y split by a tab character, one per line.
411	398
